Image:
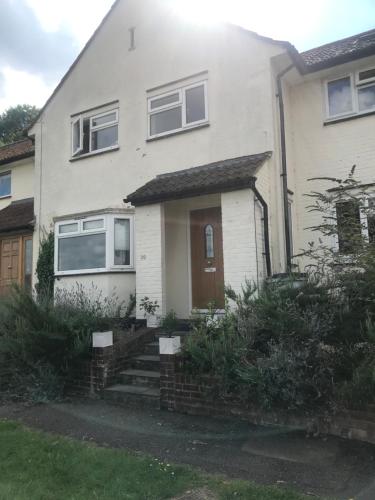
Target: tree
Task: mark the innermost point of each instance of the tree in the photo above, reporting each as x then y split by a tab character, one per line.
15	121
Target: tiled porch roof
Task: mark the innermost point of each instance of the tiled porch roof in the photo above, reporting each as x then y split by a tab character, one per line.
221	176
17	216
16	151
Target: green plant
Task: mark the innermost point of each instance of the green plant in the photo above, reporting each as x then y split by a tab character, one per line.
148	306
45	267
169	323
40	337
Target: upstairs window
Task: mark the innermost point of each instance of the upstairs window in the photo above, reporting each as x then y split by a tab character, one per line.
352	94
95	133
180	109
5	185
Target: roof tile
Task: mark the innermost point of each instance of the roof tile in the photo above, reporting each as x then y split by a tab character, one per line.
225	175
18	215
16	151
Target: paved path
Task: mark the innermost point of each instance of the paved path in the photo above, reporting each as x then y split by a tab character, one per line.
318	466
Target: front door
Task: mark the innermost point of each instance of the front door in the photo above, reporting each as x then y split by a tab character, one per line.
10	265
207	267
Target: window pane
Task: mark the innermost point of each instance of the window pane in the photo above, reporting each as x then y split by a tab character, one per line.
102	120
76	136
5	185
93	224
366	98
122	242
171	119
28	263
82	252
195	104
104	138
364	75
164	101
68	228
339	96
209	239
349	226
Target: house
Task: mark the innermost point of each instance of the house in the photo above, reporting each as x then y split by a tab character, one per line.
172	158
16	213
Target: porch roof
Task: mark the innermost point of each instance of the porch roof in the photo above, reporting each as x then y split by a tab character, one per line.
218	177
17	216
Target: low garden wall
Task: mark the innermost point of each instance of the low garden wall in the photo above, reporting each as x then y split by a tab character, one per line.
105	363
201	396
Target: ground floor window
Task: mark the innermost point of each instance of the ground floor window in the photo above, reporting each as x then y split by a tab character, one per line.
99	243
355	223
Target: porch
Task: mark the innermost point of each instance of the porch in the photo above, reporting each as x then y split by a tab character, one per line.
197	231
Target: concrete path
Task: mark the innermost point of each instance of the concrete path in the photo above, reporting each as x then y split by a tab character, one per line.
317	466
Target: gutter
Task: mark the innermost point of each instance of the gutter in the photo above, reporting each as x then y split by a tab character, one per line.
265	228
284	170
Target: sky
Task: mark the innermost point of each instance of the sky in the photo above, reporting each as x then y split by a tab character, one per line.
39	39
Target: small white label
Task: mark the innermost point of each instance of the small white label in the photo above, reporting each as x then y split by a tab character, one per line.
210	270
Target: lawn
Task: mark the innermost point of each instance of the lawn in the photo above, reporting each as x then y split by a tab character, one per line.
36	466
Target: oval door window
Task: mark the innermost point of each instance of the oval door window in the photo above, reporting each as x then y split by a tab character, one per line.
209	240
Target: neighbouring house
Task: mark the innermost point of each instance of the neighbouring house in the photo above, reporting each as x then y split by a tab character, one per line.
172	158
16	214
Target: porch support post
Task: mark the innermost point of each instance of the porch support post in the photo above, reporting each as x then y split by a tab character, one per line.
150	255
239	238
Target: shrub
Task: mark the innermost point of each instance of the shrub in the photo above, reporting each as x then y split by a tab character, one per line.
45	267
42	341
169	323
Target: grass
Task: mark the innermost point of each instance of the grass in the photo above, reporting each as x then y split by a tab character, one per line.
36	466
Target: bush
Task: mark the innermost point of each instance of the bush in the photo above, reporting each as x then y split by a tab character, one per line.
42	341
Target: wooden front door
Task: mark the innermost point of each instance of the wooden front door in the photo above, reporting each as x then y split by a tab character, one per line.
207	266
10	263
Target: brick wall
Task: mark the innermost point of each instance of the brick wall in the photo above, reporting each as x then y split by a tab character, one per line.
202	396
104	364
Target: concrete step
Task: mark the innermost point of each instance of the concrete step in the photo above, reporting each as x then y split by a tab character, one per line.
144	378
366	415
145	362
133	394
152	349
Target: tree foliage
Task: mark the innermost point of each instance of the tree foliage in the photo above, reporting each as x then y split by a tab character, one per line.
14	122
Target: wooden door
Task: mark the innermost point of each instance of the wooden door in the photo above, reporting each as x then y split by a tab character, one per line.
207	266
10	263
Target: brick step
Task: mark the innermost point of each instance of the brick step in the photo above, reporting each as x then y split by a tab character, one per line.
144	378
133	394
145	362
152	348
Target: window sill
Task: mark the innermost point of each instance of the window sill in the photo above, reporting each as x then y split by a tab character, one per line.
5	197
94	153
177	132
347	118
67	274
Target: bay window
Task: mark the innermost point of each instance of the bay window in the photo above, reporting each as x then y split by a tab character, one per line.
95	244
180	109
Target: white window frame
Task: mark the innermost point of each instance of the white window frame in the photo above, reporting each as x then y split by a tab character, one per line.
91	118
363	221
4	174
352	92
108	230
80	146
355	85
102	127
180	103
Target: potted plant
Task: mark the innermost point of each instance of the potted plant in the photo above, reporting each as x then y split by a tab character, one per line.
171	344
150	307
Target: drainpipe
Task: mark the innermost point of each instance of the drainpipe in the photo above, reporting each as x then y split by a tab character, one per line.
265	228
284	174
